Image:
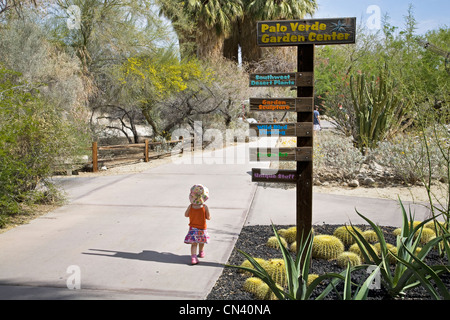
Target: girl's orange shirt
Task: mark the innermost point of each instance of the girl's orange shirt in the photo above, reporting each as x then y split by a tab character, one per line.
197	218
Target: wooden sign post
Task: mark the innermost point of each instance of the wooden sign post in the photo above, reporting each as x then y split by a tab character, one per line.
304	34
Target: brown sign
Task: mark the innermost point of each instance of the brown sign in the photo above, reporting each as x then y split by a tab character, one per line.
311	31
299	129
282	104
283	176
290	79
281	154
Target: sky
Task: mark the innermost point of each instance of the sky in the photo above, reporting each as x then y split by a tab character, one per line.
429	14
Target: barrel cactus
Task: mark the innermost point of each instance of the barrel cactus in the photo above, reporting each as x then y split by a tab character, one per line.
356	249
370	236
277	271
291	234
391	248
248	264
345	234
251	284
327	247
273	242
345	257
427	235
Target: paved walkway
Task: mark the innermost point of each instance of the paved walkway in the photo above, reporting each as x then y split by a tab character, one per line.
121	237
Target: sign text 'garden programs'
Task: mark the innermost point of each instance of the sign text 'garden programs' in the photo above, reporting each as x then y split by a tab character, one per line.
311	31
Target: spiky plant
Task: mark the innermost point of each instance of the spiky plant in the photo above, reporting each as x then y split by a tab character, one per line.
276	269
370	236
392	251
348	257
345	234
356	249
251	284
247	264
272	242
326	247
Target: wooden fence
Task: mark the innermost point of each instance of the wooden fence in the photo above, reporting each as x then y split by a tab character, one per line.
145	154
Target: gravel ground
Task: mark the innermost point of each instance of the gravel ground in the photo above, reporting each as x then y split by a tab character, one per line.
252	240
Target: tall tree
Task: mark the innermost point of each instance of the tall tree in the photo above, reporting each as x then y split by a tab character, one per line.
244	29
205	24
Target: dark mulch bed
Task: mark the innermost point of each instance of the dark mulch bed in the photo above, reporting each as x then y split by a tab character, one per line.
253	241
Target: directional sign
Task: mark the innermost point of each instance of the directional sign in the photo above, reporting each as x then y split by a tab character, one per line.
298	129
282	104
283	176
281	154
311	31
290	79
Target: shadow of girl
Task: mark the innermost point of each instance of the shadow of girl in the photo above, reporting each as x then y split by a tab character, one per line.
150	255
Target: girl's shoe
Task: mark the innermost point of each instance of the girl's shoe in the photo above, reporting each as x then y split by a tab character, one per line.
194	259
201	254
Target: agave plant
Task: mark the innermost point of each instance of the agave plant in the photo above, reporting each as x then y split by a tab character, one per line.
297	272
411	270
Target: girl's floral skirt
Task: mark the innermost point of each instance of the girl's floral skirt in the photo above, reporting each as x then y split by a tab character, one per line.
196	236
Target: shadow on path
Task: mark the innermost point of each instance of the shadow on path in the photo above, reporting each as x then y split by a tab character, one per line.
155	256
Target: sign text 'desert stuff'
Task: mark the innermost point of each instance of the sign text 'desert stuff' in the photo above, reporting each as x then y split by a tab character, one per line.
298	129
311	31
282	104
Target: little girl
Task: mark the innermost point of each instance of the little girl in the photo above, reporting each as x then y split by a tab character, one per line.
198	213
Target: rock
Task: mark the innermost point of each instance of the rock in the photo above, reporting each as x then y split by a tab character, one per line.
368	181
353	184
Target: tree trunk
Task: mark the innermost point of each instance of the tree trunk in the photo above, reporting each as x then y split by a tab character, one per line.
251	52
231	44
209	43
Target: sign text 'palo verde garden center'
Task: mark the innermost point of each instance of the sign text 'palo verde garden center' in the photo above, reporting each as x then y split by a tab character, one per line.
312	31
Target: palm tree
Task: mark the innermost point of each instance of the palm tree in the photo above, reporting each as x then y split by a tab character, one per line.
204	23
244	30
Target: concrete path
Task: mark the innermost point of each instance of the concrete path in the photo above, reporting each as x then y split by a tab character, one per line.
121	237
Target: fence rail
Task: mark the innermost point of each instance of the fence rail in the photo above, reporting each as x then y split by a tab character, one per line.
145	155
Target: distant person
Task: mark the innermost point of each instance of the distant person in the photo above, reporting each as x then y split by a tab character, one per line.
198	213
316	124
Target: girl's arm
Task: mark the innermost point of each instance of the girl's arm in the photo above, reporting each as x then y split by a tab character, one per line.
186	214
208	216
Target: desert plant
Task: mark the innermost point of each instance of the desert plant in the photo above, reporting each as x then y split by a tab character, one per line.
348	257
391	248
297	272
355	248
290	234
251	284
344	234
248	264
410	270
426	235
370	235
277	271
379	112
273	242
326	247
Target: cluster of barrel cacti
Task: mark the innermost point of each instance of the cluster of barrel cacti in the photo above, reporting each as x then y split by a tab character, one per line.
340	246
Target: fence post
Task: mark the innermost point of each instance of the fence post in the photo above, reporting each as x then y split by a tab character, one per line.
94	157
146	150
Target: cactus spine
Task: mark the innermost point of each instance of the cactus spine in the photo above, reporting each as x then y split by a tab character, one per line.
347	256
345	234
326	247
